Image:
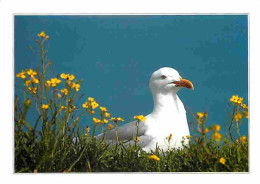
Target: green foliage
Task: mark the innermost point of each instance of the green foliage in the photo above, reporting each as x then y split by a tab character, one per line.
56	143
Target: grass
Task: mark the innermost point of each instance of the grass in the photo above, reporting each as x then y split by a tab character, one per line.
56	143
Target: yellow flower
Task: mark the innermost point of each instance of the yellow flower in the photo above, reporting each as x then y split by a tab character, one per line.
244	106
140	118
103	109
53	82
45	106
206	131
107	115
63	107
31	72
68	82
47	37
136	139
65	91
75	86
246	114
59	95
92	112
110	126
200	114
21	75
215	127
85	105
42	34
238	116
154	157
71	77
222	160
34	80
243	139
91	99
28	102
188	136
88	129
94	105
120	119
27	83
64	76
217	136
105	121
113	119
32	90
95	120
236	100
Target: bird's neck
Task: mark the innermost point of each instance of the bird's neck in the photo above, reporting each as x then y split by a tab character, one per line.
166	104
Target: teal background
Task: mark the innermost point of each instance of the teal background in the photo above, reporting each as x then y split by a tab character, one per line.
116	55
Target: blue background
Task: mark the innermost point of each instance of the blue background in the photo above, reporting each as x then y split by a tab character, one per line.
116	55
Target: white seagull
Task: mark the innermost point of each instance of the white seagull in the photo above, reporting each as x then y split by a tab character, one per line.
167	118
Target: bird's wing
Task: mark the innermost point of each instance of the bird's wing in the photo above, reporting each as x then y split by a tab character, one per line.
125	132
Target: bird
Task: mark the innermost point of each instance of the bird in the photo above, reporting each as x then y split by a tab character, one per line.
166	126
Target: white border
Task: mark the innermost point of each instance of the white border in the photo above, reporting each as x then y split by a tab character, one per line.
10	7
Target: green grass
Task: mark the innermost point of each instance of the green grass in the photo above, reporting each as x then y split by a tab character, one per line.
56	143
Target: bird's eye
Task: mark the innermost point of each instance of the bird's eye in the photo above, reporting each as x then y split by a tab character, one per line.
163	77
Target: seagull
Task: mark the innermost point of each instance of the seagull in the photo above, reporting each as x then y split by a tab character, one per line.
166	126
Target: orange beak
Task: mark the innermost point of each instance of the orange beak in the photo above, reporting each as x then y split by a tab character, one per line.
184	83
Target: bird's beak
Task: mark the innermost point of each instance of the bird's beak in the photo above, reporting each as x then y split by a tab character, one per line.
184	83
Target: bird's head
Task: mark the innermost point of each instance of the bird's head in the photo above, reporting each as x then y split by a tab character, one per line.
168	80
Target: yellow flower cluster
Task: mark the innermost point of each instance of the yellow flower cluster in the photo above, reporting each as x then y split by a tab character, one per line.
201	115
21	75
104	112
136	139
88	129
217	136
30	73
188	136
140	118
65	91
107	115
67	76
238	116
95	120
236	99
45	106
90	104
75	86
246	114
110	126
33	90
53	82
153	157
103	109
222	160
117	119
243	139
63	107
43	35
215	127
244	106
206	130
59	95
28	102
